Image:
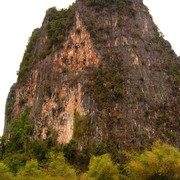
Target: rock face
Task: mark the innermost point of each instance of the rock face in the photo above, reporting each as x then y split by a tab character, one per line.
113	67
50	88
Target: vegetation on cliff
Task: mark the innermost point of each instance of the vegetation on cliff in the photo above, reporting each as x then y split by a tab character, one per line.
161	162
25	158
29	57
56	26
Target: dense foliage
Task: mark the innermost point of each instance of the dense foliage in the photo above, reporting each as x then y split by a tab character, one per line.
81	126
25	158
55	27
30	56
101	167
105	88
99	4
20	133
103	33
162	162
4	172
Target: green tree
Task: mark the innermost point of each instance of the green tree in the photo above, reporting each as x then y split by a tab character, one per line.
39	149
2	146
20	133
162	162
101	168
15	161
58	168
4	172
30	171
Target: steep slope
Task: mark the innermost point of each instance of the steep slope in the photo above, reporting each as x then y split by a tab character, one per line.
99	73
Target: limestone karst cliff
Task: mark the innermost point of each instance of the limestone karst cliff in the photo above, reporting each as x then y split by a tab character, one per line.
99	72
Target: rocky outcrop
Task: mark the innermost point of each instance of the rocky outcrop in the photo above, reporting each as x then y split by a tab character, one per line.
114	67
51	89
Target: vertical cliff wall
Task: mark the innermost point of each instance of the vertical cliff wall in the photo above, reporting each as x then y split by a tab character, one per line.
52	90
112	67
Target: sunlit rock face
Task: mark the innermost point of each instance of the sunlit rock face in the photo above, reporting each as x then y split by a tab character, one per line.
114	67
51	90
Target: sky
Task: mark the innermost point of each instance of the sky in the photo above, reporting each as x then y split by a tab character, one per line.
18	18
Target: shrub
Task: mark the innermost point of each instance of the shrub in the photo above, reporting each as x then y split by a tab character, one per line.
162	162
59	22
105	88
101	167
81	126
70	151
56	24
22	102
28	58
39	149
30	171
20	133
58	168
4	172
15	161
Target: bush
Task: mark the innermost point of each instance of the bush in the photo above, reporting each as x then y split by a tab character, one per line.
22	102
70	151
29	57
20	133
81	126
30	171
56	24
105	88
162	162
58	168
15	161
101	168
100	4
59	22
39	149
4	172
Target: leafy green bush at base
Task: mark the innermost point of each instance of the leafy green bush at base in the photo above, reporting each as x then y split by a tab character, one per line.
24	158
20	133
58	168
30	171
101	167
162	162
15	161
5	174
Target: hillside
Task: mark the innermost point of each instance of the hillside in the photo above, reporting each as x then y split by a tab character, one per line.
100	74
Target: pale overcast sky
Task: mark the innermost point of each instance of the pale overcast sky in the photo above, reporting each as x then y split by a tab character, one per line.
18	18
